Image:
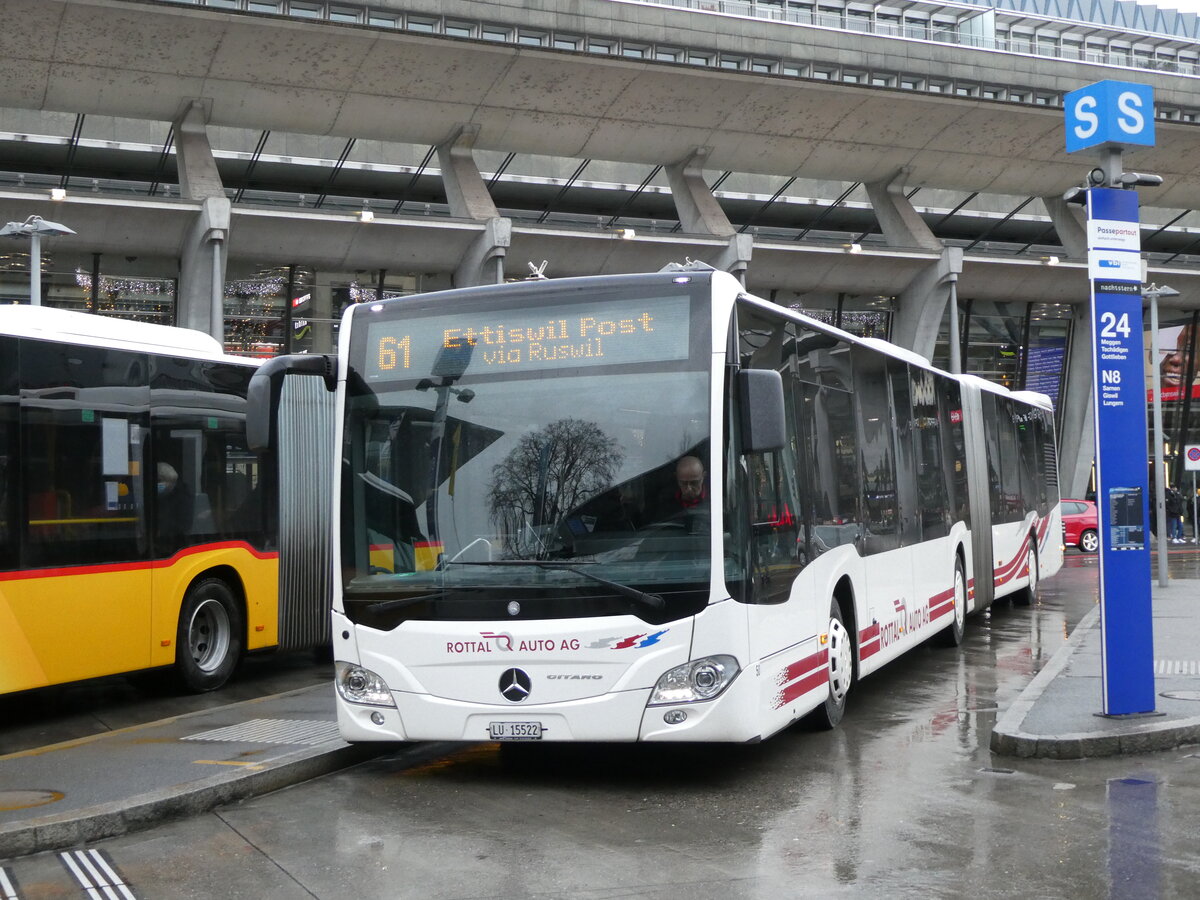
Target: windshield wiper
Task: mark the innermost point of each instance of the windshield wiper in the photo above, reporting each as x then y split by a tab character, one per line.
652	601
401	602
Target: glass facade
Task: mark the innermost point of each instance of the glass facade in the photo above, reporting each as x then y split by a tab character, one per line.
274	310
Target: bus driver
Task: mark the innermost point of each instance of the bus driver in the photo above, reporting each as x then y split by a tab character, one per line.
692	492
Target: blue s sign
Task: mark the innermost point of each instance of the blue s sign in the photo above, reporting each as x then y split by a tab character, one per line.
1109	112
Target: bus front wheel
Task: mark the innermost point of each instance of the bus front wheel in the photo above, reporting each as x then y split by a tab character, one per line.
208	642
841	669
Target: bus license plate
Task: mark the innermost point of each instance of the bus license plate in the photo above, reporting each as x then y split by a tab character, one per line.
515	731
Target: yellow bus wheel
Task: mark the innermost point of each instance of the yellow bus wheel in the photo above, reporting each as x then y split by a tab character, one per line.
210	637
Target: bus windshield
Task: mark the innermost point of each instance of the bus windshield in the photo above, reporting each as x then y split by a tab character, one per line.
549	453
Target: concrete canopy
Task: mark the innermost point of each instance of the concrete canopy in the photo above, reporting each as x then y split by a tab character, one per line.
119	58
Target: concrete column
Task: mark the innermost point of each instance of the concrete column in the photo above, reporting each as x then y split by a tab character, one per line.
322	308
468	197
1076	434
922	304
202	262
1069	222
203	256
900	223
465	191
735	258
699	212
483	263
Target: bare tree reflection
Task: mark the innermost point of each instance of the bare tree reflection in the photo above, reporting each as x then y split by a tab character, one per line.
550	472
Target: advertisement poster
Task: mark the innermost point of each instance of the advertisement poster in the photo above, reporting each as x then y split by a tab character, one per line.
1172	363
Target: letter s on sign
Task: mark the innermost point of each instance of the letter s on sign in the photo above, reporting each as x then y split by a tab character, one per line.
1132	122
1087	120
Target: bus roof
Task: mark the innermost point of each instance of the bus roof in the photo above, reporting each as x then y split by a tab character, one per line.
21	320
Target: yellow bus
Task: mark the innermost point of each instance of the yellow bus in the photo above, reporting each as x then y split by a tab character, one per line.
136	529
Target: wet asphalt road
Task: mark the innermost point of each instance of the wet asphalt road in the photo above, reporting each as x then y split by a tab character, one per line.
903	800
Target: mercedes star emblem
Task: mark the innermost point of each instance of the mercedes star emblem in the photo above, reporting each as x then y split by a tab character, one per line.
514	685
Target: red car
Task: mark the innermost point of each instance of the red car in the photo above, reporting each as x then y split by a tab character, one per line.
1079	525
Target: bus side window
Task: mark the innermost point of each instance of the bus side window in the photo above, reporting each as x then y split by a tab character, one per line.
877	451
9	392
83	415
828	435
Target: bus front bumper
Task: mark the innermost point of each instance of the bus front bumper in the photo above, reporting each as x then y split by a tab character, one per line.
621	716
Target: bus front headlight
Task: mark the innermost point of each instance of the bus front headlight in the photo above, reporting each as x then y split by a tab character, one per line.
358	685
700	679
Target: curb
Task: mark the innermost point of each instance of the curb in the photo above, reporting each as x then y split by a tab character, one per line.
1139	736
57	832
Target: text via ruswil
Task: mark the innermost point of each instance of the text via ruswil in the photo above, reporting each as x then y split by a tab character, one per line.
1114	355
619	332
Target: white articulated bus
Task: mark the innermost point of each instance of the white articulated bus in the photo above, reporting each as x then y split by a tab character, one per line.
653	507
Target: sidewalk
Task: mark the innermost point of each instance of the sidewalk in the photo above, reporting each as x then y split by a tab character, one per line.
1057	716
119	781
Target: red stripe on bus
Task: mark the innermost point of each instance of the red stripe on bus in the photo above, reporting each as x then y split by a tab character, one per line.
802	687
1008	571
137	566
868	641
803	666
1013	568
803	676
940	604
1043	528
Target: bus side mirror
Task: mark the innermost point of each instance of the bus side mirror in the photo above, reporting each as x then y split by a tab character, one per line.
266	386
762	416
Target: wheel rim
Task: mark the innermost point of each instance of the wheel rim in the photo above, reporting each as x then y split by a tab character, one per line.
960	599
1089	542
208	635
841	661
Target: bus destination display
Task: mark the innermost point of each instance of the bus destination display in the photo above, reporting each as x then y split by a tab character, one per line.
617	332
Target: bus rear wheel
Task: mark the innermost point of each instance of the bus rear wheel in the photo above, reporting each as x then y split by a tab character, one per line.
841	669
209	639
952	635
1029	596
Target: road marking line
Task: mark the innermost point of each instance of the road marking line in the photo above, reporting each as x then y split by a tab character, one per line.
7	886
96	874
273	731
1176	667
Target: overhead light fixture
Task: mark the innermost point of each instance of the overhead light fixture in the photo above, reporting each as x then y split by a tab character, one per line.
626	234
58	193
366	215
1050	260
853	248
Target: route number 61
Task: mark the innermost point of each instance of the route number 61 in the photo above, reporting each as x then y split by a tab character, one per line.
1112	325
